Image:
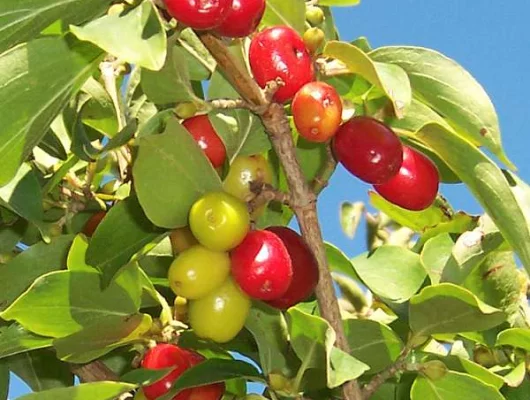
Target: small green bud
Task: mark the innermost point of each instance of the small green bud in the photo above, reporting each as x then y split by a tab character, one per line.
313	39
314	15
434	370
185	110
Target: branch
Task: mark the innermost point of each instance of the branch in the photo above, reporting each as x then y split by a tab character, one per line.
302	198
94	371
266	193
320	182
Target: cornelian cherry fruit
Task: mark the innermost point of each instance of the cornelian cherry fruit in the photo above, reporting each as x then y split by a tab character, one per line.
416	184
305	268
368	149
202	14
261	265
204	134
93	222
242	19
279	52
317	111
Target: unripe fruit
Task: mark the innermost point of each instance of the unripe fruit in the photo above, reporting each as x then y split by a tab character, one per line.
93	222
182	239
160	357
243	171
416	184
369	149
279	52
206	137
185	110
261	265
242	19
434	369
314	15
305	268
313	39
317	111
197	271
219	221
202	15
220	315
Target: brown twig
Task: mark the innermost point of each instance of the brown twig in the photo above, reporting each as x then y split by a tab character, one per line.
303	199
320	182
94	371
266	193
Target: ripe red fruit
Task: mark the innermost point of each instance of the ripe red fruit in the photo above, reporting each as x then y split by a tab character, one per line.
165	356
369	149
261	265
317	111
279	52
416	184
242	19
203	14
205	135
305	268
93	222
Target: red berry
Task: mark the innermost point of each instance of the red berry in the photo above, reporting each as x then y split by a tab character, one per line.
261	265
199	14
242	19
93	222
416	184
369	149
305	268
279	52
165	356
317	111
205	135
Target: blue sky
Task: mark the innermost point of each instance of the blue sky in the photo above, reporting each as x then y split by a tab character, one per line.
489	38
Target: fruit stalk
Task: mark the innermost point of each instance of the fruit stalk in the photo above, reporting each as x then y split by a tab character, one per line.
303	199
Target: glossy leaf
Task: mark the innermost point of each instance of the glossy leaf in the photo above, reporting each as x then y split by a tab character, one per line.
10	235
451	91
167	197
453	386
372	343
343	368
41	370
391	272
338	261
280	12
516	376
19	273
391	79
73	297
98	390
25	19
515	337
146	38
94	341
435	255
447	308
459	364
15	339
76	255
142	376
350	217
487	183
37	80
124	231
241	131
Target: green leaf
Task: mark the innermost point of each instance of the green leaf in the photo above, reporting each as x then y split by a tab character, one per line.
339	3
15	340
23	195
373	343
143	377
453	386
10	235
96	340
350	217
447	308
487	183
344	368
36	81
515	337
516	376
22	20
241	131
280	12
338	261
172	83
99	390
201	64
435	255
4	381
124	231
99	111
19	273
212	371
41	370
72	298
76	255
146	38
53	146
519	393
312	157
451	91
269	329
391	79
167	197
391	272
459	364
